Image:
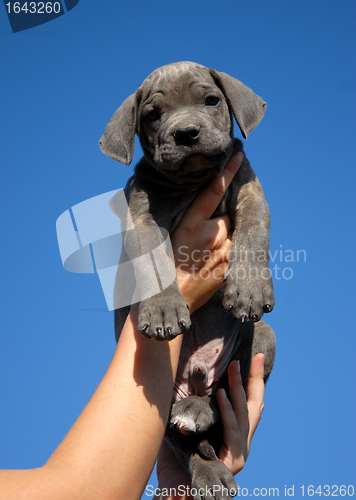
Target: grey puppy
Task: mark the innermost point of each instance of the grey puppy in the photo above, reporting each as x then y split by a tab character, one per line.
183	116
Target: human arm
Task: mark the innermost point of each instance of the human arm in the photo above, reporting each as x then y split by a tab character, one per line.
113	445
111	449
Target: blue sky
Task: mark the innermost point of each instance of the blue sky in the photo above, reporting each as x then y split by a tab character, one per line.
60	84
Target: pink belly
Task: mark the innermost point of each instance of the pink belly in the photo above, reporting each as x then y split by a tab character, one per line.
201	366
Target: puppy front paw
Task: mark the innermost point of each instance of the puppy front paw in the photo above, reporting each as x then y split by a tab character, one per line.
165	315
249	291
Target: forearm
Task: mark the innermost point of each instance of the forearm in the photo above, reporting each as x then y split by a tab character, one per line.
114	443
112	447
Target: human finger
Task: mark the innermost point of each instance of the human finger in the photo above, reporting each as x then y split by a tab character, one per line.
169	472
227	414
224	223
238	398
255	390
208	200
232	450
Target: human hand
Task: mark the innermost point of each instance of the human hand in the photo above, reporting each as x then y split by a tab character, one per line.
202	245
239	419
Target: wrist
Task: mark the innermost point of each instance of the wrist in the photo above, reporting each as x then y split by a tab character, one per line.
196	290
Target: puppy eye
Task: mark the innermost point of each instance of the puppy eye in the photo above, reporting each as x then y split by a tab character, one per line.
212	100
152	115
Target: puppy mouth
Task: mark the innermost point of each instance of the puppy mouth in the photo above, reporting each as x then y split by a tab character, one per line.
196	168
191	162
188	159
194	163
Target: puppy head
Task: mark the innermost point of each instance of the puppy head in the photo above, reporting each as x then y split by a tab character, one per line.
182	115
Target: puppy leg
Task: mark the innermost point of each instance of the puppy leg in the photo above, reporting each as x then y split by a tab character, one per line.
163	311
211	479
249	288
256	338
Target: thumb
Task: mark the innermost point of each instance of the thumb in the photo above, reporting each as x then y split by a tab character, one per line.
208	200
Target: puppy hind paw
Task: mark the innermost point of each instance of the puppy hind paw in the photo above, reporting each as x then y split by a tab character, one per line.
192	415
212	480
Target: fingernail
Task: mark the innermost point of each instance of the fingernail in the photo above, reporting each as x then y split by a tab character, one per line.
235	162
238	157
223	393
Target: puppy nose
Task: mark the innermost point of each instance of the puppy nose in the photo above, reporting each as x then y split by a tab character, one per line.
186	136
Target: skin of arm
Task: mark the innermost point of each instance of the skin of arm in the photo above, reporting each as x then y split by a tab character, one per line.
110	451
113	445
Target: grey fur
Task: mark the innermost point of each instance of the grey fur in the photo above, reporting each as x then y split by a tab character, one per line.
182	114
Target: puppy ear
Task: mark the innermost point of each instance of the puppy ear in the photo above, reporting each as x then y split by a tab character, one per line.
118	140
248	108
